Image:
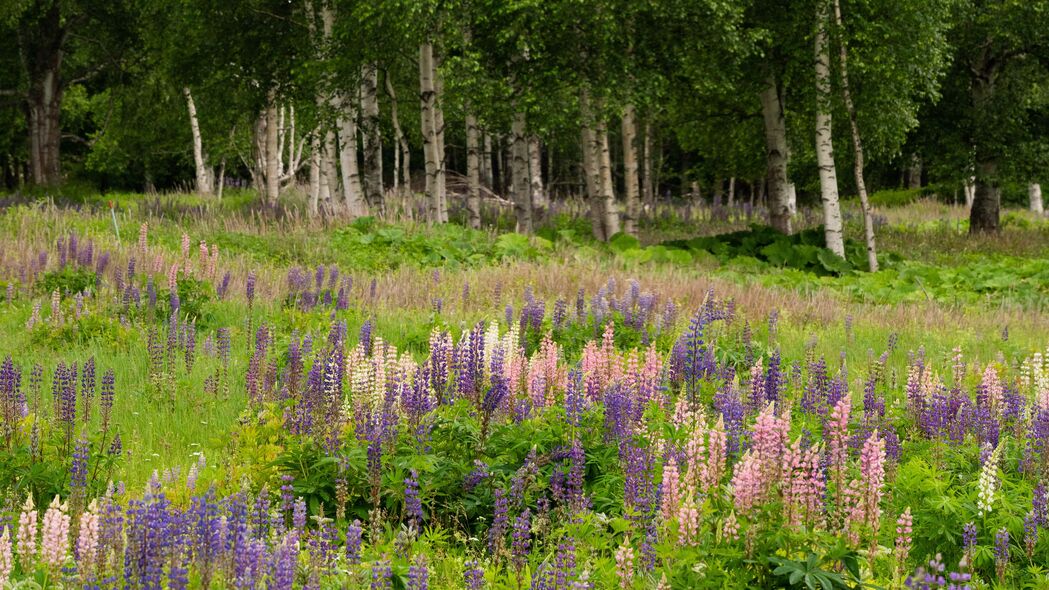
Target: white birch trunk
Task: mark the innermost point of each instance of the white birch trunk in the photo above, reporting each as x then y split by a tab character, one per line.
205	186
630	179
857	145
591	155
779	187
473	171
535	176
522	193
608	195
914	172
271	151
438	122
970	191
1034	193
402	140
832	225
372	178
487	178
429	131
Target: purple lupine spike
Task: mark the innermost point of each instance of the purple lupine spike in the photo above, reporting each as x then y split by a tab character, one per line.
249	289
521	542
473	575
413	506
382	575
354	535
499	521
419	574
223	287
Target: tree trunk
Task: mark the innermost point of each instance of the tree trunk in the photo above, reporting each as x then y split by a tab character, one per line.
535	176
719	193
857	145
43	54
429	131
776	157
203	173
983	217
731	192
438	122
372	177
832	230
313	207
222	178
1034	193
969	188
352	192
402	139
522	193
473	171
630	179
591	148
649	187
272	151
914	172
487	179
608	195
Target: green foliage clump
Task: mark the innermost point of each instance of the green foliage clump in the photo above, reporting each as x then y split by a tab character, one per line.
67	281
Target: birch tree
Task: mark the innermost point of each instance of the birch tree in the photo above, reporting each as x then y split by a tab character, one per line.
832	229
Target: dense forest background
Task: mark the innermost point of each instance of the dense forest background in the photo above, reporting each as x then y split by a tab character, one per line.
350	105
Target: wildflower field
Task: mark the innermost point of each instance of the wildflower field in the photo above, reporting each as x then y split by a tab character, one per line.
205	397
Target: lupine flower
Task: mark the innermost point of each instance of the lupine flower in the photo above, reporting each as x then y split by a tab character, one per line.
473	575
382	575
988	482
27	532
7	560
354	535
969	540
688	523
87	541
865	493
903	536
1030	533
499	521
747	483
419	574
625	564
413	506
522	539
931	577
730	529
1001	553
54	544
671	497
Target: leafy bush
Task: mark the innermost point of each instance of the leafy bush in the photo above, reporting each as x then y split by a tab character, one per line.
68	281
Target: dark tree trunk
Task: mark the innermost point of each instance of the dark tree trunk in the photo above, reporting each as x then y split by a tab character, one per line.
42	45
983	217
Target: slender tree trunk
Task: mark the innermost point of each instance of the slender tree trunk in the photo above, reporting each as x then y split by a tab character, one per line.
608	195
522	193
914	172
502	181
473	171
429	130
776	156
313	207
372	177
832	225
438	122
857	144
352	192
203	173
731	192
402	139
719	193
649	187
222	178
630	172
271	152
1034	194
535	177
487	178
43	55
591	150
969	189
